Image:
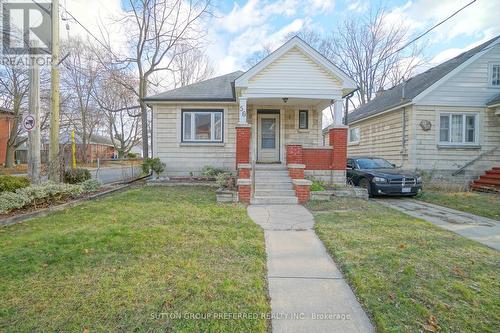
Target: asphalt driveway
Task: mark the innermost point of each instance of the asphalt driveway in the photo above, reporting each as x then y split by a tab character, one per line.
478	228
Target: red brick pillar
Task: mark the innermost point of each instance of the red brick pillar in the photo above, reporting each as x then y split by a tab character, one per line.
338	140
294	154
296	171
302	189
244	190
242	144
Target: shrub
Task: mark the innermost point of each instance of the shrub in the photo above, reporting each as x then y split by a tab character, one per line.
91	185
46	193
76	176
225	180
12	183
210	171
132	155
317	185
153	164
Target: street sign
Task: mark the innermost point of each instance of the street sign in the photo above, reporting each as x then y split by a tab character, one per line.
28	122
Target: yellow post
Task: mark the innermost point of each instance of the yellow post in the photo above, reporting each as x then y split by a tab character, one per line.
73	149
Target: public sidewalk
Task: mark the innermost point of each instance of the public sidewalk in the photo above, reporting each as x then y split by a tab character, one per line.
308	292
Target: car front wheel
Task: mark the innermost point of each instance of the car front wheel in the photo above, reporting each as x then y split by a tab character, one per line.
365	183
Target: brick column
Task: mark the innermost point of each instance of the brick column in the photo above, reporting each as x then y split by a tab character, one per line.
242	144
302	189
338	140
296	171
294	154
244	190
244	171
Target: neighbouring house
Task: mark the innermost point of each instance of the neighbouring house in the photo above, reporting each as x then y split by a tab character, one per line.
98	147
444	122
6	118
265	123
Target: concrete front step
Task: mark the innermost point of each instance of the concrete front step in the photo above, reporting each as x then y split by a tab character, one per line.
274	193
273	186
270	167
256	200
264	173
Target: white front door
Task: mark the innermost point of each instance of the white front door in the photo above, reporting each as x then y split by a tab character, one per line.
268	129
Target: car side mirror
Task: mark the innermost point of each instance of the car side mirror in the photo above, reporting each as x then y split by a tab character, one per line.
350	167
393	165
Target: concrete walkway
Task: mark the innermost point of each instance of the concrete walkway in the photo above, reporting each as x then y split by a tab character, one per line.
308	292
480	229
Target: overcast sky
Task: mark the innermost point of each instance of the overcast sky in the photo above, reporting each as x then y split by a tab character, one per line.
243	27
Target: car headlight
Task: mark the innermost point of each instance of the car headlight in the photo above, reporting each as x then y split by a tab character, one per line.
379	180
419	180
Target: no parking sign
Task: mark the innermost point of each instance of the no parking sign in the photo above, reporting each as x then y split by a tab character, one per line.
28	122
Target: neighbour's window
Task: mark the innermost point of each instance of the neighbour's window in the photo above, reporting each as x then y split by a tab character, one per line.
303	119
495	75
457	128
202	125
354	134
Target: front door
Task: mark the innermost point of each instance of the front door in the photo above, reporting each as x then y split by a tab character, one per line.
268	129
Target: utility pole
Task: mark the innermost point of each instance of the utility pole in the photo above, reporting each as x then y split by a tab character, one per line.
34	134
54	163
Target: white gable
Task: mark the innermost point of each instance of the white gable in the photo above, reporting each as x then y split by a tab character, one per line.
295	70
468	86
295	74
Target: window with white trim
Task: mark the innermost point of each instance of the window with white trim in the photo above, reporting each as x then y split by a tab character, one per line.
495	75
202	125
457	128
303	119
354	135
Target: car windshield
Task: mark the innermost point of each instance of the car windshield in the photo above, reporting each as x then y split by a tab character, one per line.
373	163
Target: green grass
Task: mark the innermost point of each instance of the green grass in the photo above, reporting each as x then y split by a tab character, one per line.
410	275
128	262
482	204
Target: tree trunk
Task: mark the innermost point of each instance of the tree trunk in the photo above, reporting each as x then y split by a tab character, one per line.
9	157
144	116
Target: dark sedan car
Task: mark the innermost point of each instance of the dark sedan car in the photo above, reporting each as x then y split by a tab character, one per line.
380	177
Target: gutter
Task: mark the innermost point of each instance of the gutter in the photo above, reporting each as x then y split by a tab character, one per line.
393	108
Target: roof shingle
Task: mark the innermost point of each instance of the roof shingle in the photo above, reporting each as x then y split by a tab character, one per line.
406	91
220	88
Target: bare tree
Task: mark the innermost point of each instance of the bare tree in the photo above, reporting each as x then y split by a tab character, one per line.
159	30
14	88
368	50
256	57
79	78
123	126
191	66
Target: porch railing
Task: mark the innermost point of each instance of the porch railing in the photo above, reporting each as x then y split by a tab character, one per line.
477	158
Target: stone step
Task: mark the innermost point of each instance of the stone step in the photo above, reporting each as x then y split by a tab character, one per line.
267	173
273	200
274	193
274	186
270	167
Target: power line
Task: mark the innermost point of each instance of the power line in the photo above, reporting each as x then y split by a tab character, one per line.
426	32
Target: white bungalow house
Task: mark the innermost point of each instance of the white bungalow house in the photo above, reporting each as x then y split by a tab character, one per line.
265	123
444	121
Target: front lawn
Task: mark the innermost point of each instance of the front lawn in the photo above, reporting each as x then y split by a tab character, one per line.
410	275
135	262
482	204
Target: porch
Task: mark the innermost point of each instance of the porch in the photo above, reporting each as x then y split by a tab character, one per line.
279	144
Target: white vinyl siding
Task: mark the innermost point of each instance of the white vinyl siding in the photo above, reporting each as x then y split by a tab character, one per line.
185	158
294	74
469	87
458	128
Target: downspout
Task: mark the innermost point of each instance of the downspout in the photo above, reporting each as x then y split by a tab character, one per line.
403	136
